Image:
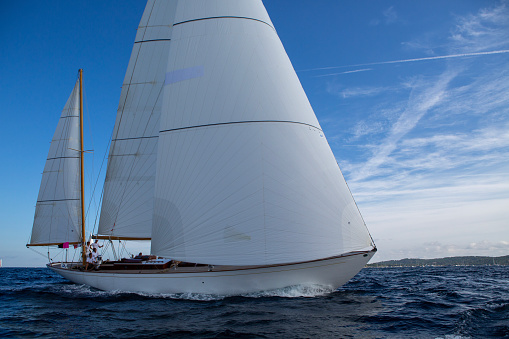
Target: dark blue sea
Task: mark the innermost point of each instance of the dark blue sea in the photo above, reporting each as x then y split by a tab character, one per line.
420	302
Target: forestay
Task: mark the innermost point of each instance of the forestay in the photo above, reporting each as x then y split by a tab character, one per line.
58	209
245	175
129	186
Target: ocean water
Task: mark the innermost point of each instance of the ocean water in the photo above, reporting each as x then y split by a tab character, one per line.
420	302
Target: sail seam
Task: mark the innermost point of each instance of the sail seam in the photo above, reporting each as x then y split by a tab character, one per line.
149	26
139	83
223	17
124	155
137	42
136	138
56	200
63	158
70	116
238	122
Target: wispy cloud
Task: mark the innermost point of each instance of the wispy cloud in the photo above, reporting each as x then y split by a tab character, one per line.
360	92
486	30
363	128
420	102
441	101
390	15
439	167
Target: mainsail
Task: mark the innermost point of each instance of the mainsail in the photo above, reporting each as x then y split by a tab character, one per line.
244	173
58	209
127	206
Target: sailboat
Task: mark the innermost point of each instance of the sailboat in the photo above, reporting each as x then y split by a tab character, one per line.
216	158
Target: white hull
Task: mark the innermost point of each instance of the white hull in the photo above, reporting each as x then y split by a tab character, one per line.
331	273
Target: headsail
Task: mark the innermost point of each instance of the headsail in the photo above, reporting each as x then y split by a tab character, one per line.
129	187
58	210
244	173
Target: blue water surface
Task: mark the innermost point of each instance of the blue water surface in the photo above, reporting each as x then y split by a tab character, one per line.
414	302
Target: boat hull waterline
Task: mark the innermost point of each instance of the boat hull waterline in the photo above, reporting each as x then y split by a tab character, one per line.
330	273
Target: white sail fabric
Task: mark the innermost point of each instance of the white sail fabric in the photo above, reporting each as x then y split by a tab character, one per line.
129	186
58	209
244	173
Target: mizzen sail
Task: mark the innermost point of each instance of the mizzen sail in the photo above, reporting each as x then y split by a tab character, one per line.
58	209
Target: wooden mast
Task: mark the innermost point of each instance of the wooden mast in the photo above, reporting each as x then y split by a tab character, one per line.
83	241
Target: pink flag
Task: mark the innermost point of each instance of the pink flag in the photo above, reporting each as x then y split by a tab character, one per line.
66	245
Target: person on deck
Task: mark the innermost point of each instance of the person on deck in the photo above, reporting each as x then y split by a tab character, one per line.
95	245
94	254
90	262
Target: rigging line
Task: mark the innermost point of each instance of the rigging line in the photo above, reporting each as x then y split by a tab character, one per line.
91	175
357	206
105	249
74	255
32	249
97	181
131	78
97	212
138	149
128	89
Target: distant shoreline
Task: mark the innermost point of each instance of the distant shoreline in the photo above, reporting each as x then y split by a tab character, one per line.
449	261
438	262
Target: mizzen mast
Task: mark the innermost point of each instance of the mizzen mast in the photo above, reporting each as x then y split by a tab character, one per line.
83	241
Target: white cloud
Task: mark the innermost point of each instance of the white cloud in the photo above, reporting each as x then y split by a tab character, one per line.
486	30
390	15
446	221
421	100
363	128
362	92
434	176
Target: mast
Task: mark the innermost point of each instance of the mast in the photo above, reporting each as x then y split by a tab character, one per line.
83	244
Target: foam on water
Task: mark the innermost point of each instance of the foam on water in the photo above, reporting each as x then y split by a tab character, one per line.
296	291
441	303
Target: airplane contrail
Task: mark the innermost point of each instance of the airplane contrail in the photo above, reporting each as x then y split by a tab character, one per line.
347	72
412	60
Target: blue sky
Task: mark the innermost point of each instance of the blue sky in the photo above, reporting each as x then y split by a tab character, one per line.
413	97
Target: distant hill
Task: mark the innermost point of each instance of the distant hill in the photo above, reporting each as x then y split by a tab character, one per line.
451	261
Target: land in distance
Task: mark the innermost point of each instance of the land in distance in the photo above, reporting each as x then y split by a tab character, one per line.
449	261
